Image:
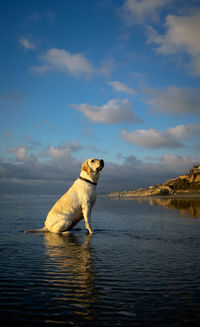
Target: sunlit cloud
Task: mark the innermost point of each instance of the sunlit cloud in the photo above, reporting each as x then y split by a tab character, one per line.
61	151
63	61
137	11
182	36
121	87
155	139
114	111
174	100
20	152
27	44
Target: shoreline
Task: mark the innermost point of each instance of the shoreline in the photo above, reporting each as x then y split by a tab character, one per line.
175	196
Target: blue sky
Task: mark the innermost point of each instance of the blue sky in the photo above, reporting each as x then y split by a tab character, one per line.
117	80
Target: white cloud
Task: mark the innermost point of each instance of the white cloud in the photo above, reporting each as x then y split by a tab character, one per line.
60	156
121	87
137	11
41	69
114	111
19	152
174	100
182	36
54	154
61	151
27	44
154	139
185	132
57	152
63	61
150	138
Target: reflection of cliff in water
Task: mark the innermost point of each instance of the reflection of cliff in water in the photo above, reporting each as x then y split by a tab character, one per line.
187	207
71	272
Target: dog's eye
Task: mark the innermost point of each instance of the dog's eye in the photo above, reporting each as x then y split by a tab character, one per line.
92	160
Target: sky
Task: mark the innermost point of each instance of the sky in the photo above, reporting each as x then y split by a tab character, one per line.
117	80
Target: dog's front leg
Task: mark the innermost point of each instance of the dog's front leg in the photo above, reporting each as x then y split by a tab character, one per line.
87	215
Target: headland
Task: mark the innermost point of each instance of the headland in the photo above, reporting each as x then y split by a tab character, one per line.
184	185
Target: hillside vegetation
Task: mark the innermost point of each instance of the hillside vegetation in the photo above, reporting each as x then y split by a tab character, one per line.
182	185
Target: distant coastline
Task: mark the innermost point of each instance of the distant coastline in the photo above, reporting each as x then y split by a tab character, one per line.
187	185
134	194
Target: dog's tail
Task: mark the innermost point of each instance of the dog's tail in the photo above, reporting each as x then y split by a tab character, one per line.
39	230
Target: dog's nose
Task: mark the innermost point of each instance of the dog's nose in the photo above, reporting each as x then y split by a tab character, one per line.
102	162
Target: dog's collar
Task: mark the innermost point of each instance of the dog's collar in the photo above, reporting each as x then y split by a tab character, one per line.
87	180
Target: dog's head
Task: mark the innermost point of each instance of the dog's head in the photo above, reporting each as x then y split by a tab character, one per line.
92	165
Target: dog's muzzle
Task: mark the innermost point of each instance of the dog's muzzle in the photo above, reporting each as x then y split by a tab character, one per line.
101	164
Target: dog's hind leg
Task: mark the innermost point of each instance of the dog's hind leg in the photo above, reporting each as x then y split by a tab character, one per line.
62	227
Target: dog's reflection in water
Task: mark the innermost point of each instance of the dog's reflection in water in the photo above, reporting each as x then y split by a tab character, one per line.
70	268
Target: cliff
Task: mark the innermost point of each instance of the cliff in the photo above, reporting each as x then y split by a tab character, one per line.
183	185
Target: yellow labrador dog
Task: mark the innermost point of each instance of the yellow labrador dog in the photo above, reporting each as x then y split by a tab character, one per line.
76	203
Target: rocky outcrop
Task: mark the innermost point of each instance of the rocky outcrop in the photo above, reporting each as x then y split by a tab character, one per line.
183	185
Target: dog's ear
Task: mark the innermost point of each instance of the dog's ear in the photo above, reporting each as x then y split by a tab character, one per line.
86	167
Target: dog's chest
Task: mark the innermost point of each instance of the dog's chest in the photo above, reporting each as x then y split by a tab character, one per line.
87	193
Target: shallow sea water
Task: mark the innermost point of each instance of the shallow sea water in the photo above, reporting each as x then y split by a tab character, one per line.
141	267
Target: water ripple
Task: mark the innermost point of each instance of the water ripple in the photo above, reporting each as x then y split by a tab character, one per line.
139	270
